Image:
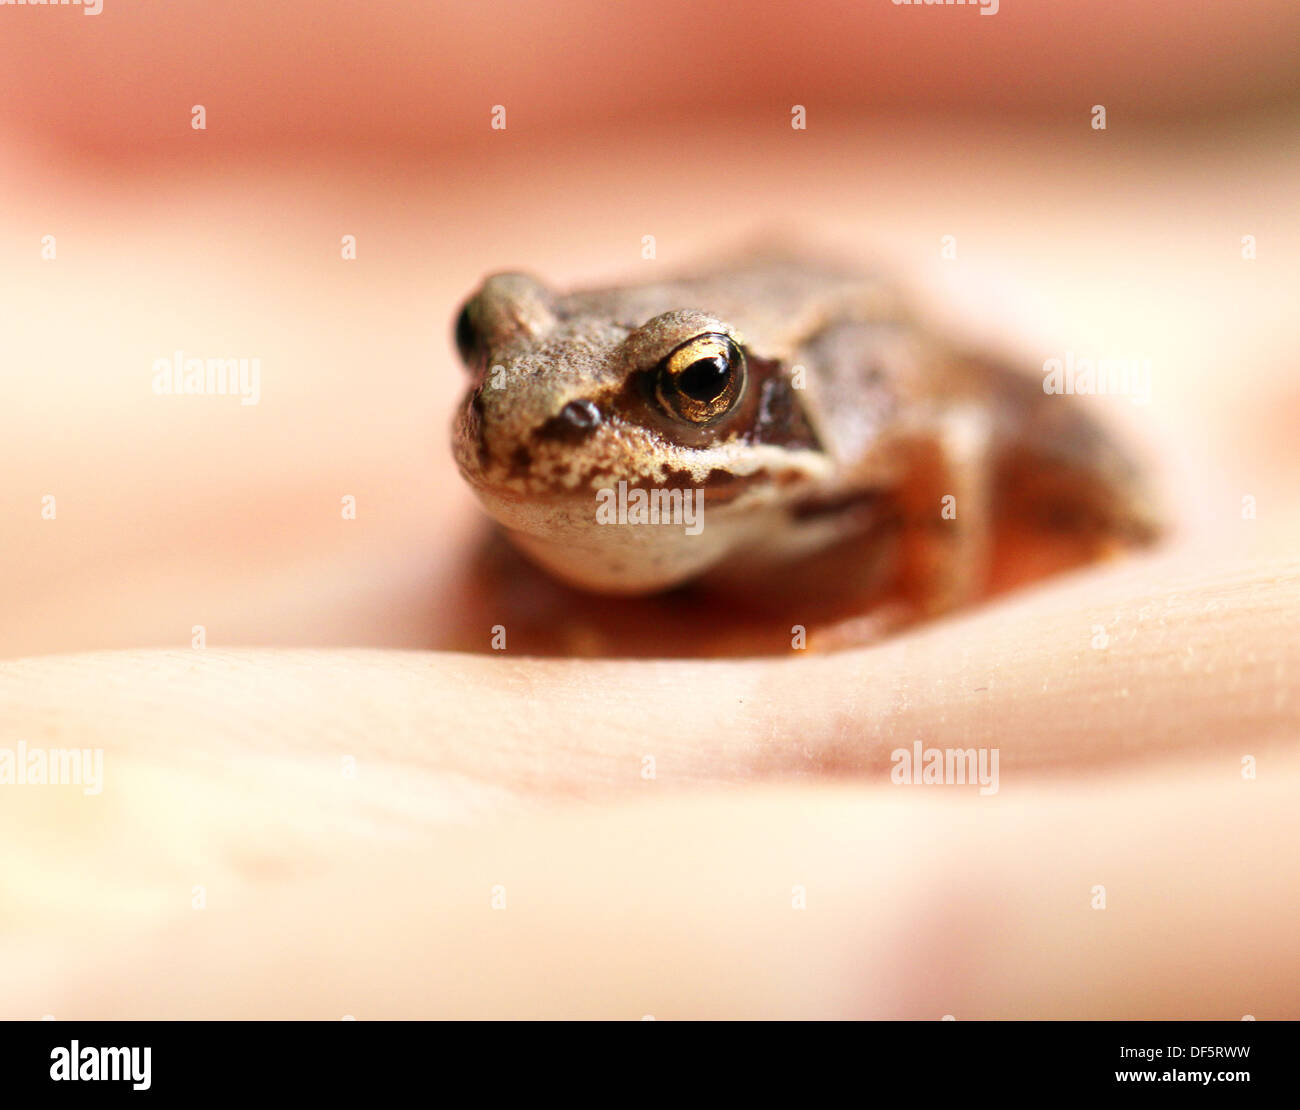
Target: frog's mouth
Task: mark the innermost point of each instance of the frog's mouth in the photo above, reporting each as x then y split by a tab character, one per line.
625	540
625	510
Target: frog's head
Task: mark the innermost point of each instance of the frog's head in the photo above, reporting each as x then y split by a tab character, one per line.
579	401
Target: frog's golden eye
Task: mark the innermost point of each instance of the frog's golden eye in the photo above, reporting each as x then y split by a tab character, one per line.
702	379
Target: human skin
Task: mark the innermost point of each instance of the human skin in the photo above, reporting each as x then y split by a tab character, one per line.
372	892
1121	755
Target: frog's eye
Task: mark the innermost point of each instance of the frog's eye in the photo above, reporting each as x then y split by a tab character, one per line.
702	379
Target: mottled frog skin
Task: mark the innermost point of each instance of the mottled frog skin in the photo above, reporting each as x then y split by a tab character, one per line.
812	409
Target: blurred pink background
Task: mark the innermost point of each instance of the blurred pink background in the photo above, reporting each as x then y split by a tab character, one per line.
413	77
672	119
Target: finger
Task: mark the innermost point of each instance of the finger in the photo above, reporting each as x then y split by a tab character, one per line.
1150	659
1085	901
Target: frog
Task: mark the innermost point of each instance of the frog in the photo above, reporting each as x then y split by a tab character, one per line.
832	439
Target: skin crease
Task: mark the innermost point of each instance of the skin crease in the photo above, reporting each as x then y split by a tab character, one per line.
1120	765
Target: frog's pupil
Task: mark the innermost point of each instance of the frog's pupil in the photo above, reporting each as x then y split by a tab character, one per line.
705	378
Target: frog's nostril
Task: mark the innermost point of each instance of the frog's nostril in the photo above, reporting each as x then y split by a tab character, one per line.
581	414
573	423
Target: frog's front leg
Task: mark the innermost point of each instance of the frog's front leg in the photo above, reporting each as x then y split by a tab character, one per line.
945	526
947	510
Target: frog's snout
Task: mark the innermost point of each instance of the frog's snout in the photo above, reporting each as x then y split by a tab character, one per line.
507	308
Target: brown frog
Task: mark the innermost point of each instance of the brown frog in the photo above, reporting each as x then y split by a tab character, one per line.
776	426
